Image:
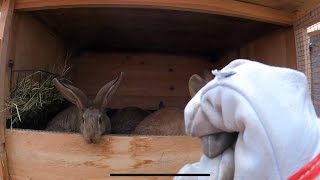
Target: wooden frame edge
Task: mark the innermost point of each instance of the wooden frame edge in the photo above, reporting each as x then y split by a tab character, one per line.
7	9
227	7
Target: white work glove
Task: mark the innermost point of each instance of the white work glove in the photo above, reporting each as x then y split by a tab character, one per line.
218	167
216	161
271	109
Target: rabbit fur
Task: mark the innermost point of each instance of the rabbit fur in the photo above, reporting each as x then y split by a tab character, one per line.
170	121
85	116
125	120
165	121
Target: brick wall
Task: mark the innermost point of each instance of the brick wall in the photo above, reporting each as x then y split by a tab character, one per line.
315	70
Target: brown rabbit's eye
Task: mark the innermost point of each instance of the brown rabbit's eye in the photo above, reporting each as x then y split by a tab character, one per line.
83	121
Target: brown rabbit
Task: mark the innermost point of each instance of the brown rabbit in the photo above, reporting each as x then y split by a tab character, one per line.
125	120
170	121
85	116
196	82
212	145
165	121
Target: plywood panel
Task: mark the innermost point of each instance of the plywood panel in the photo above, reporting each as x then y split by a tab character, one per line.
149	77
291	49
144	29
36	47
277	48
41	155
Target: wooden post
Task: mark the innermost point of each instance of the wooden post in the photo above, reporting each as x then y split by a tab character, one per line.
5	27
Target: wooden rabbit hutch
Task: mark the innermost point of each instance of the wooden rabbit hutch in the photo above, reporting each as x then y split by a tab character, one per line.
158	44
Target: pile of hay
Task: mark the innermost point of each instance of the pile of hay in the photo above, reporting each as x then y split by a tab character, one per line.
35	100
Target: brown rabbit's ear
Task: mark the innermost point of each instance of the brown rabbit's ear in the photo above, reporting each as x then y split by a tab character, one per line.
195	84
106	92
71	93
208	76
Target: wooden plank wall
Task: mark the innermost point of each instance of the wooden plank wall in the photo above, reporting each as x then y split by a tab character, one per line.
276	48
149	78
41	155
35	47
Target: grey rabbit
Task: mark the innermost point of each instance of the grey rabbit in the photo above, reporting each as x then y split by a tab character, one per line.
85	116
125	120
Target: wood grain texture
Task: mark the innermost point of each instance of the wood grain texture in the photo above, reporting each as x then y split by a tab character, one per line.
149	77
5	48
284	5
35	47
41	155
277	49
157	30
226	7
308	5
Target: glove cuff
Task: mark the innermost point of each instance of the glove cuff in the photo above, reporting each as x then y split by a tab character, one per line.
310	171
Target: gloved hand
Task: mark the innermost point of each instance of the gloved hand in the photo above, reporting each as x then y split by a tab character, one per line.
221	167
212	144
271	109
218	158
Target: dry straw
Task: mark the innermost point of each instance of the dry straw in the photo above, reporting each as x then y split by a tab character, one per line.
33	93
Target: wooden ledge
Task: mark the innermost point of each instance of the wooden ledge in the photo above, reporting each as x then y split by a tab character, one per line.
226	7
44	155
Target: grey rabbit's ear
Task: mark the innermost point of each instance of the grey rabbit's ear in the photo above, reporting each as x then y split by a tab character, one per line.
106	92
71	93
195	84
208	76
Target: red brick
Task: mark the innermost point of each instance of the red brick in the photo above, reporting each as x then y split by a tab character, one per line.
316	91
316	81
317	69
